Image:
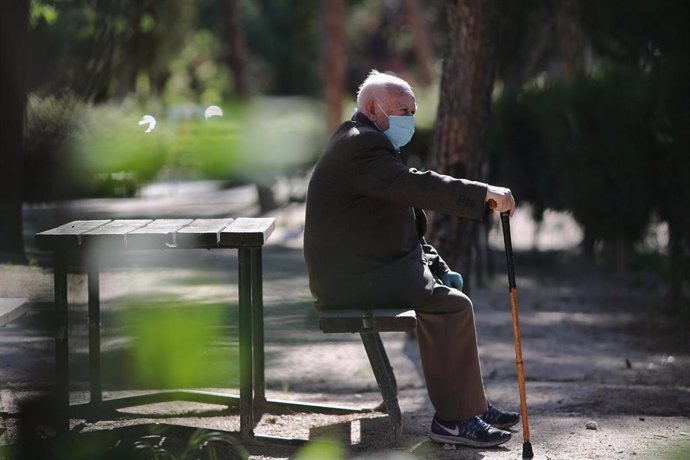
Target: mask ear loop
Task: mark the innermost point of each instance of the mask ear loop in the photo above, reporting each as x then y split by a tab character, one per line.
384	112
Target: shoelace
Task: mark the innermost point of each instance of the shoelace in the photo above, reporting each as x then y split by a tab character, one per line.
476	425
491	414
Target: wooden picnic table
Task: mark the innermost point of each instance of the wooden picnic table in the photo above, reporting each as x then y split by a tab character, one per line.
247	235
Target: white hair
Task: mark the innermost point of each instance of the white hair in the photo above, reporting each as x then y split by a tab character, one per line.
376	84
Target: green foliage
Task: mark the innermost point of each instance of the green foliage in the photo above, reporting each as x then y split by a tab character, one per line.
97	50
200	442
172	340
158	444
586	147
281	133
321	449
51	126
527	133
101	150
606	172
183	144
42	12
197	72
679	452
283	38
110	141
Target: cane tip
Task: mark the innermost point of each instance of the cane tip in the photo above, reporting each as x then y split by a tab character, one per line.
527	450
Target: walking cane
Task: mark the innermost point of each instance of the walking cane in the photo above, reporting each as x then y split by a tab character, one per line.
526	445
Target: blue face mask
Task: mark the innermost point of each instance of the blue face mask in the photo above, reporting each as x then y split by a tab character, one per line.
400	128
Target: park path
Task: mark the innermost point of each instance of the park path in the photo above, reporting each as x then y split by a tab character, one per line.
596	345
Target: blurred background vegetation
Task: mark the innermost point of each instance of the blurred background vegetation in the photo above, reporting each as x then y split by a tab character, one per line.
590	103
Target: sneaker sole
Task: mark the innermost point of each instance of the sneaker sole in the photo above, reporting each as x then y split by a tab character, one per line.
503	426
466	442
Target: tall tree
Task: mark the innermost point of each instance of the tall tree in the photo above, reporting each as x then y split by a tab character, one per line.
424	53
460	136
13	33
333	60
570	37
235	45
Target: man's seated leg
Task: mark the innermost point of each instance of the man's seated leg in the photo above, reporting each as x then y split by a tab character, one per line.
448	348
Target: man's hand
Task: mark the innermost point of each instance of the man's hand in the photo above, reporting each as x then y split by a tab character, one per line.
502	197
452	279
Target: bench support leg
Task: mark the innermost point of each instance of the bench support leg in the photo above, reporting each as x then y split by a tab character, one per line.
258	326
384	377
61	343
245	339
95	392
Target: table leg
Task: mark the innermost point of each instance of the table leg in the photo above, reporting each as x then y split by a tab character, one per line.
245	339
96	394
61	343
258	326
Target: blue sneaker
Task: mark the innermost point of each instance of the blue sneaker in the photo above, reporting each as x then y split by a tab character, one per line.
500	419
474	433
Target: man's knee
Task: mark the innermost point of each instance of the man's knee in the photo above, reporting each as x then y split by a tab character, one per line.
447	300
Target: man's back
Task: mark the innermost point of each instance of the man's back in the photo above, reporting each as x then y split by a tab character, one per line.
359	248
361	242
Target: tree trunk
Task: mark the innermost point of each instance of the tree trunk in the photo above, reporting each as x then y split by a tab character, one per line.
463	114
235	45
13	38
570	37
333	60
424	53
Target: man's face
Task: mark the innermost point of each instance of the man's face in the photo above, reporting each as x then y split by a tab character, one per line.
390	103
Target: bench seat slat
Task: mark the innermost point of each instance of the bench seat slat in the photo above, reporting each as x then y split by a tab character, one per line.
201	233
67	236
247	232
158	234
382	320
114	233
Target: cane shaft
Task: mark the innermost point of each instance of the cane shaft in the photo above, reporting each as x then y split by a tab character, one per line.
519	364
512	286
507	241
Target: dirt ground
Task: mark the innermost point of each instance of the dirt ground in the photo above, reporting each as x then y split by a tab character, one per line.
596	346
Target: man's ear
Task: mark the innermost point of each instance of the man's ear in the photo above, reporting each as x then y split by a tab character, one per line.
370	108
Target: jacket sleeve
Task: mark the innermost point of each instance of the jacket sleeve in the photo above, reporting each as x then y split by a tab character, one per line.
377	171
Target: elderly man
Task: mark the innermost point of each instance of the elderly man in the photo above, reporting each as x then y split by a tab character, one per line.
364	247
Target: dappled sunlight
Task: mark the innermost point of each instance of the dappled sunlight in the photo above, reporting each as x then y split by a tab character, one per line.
593	320
557	231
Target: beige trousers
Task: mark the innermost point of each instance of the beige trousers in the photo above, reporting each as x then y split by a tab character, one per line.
448	347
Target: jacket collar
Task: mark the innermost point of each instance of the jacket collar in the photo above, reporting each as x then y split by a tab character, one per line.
359	117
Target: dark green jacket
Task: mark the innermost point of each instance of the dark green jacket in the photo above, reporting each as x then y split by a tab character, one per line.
363	238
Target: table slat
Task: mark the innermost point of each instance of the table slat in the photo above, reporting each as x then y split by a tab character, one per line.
201	233
113	234
67	236
246	231
158	234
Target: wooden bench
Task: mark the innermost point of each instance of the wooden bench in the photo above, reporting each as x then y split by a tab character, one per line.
368	323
